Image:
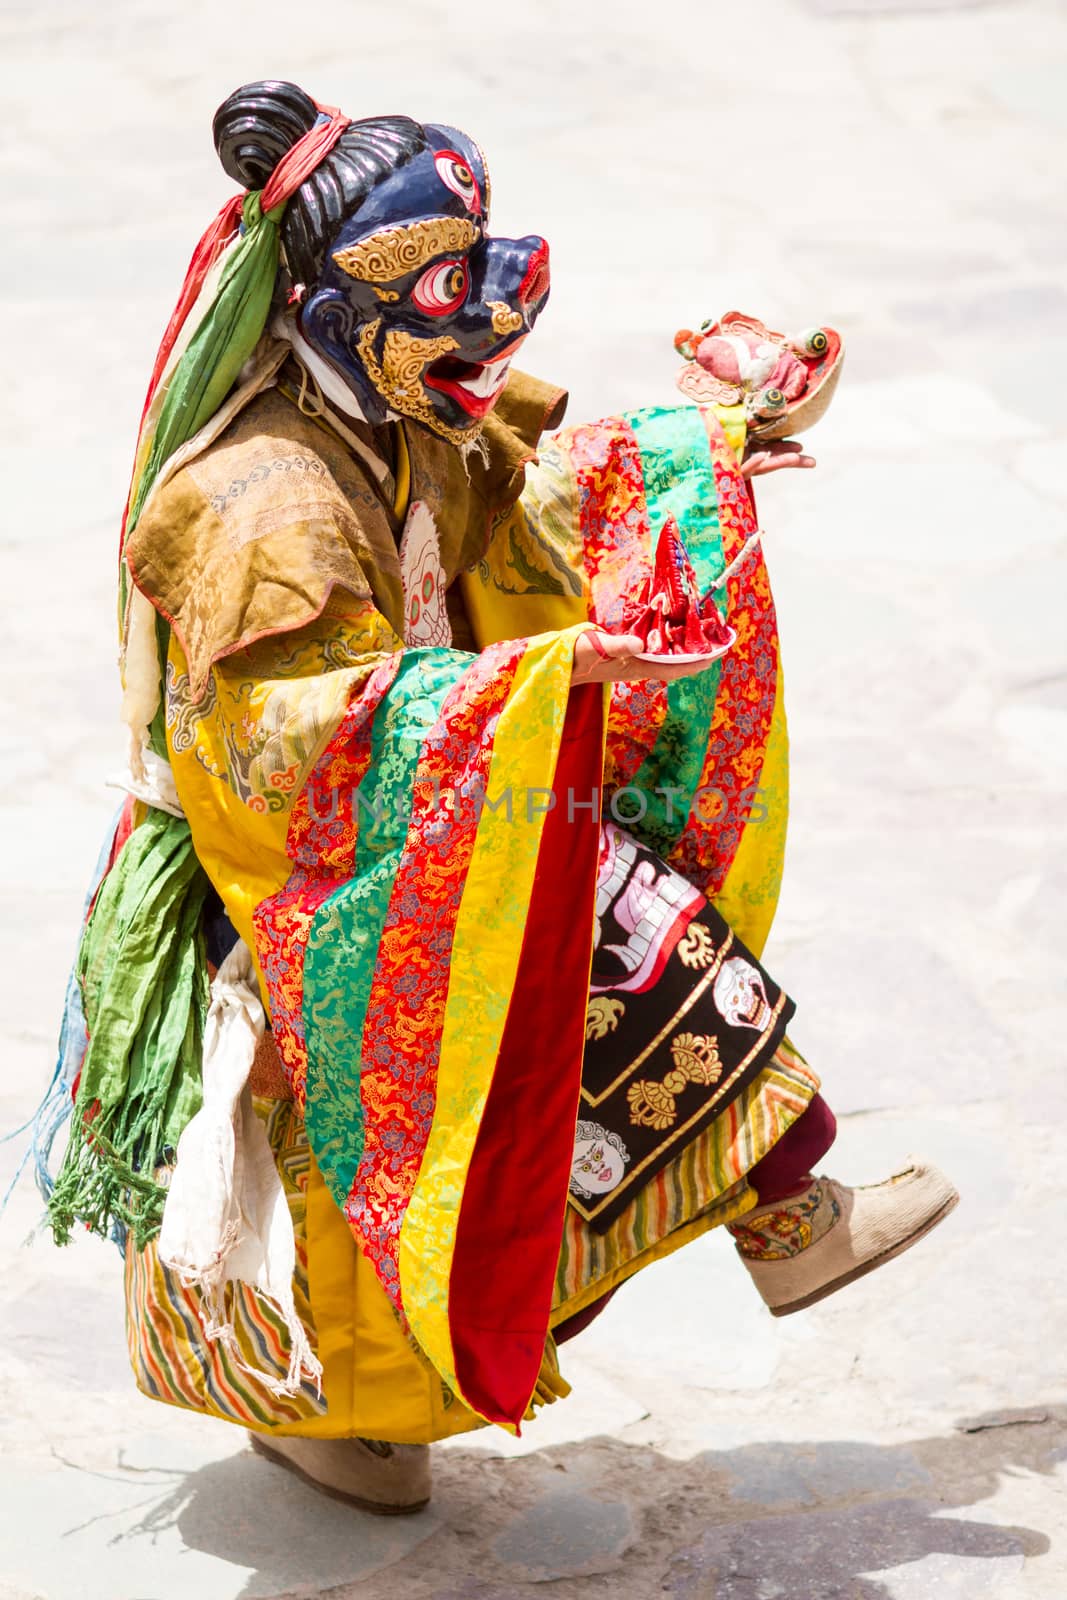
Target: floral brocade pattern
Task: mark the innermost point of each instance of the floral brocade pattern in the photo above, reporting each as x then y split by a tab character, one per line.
657	465
345	932
613	511
322	846
537	549
613	515
436	1251
744	705
783	1233
391	951
707	740
406	1009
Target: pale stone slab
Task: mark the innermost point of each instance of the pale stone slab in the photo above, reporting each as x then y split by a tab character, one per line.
692	1318
945	1577
565	1534
827	1556
1042	463
1040	732
773	1476
235	1527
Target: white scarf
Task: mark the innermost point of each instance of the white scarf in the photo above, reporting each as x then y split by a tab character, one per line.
226	1218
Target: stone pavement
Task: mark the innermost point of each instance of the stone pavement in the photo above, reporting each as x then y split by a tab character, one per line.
894	168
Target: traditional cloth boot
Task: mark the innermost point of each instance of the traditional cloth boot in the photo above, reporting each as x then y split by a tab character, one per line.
391	1480
798	1251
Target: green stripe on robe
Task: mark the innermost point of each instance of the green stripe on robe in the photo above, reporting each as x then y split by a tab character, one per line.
680	482
342	943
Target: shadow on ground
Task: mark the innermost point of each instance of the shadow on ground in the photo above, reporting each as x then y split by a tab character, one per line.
825	1521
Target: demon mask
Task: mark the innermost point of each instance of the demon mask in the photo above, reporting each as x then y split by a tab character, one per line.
417	307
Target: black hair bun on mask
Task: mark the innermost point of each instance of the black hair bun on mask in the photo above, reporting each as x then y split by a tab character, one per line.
259	124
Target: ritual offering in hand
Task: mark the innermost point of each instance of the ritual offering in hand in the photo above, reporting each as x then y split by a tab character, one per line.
784	382
667	612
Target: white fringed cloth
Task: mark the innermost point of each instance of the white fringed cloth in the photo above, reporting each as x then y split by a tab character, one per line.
226	1218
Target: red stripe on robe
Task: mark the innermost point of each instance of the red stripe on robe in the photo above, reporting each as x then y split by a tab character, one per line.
511	1215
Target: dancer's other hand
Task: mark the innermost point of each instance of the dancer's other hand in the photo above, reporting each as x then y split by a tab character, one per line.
601	657
773	456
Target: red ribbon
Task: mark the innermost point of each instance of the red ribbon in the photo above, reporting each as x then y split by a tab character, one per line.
304	157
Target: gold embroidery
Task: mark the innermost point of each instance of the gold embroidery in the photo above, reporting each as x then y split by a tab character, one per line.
398	375
602	1016
651	1105
487	193
696	1060
699	988
740	1144
696	948
392	252
504	319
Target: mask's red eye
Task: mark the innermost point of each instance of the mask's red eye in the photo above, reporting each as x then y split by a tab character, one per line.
441	288
455	174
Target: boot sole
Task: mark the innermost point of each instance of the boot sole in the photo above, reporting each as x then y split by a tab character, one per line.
867	1266
377	1508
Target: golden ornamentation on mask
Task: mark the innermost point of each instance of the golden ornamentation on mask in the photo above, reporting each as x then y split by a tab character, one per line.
392	252
504	319
387	294
398	375
487	192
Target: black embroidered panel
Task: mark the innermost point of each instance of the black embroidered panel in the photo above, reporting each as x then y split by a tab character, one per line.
681	1018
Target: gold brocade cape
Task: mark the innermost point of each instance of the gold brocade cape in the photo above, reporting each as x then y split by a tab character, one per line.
252	536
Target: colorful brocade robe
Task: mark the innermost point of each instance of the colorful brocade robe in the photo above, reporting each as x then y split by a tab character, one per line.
407	837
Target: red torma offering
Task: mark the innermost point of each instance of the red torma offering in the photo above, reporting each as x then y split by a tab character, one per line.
667	612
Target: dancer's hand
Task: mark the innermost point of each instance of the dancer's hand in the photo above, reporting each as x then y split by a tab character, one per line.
601	657
773	456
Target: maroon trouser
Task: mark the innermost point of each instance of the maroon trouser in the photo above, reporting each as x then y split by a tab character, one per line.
785	1171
